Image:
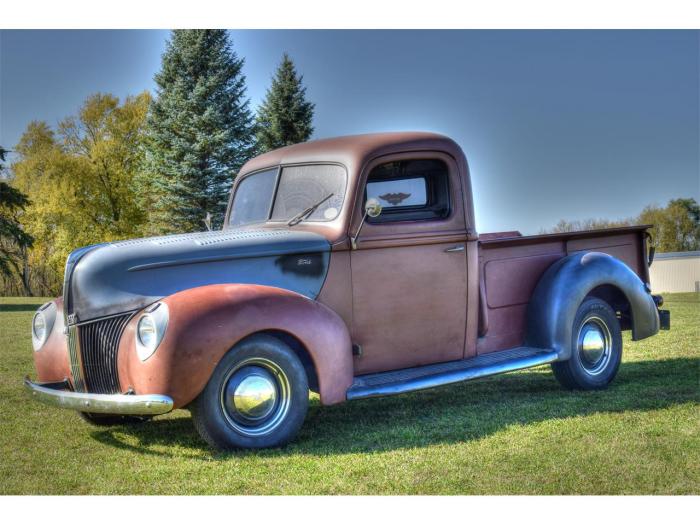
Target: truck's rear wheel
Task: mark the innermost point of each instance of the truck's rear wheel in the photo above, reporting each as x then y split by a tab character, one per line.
257	397
596	348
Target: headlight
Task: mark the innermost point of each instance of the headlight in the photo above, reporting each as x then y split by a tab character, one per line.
42	323
39	326
147	332
150	330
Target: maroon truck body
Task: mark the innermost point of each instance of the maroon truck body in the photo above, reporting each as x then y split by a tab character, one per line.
406	302
409	299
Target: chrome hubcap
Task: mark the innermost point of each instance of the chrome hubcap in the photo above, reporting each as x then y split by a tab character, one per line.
594	345
255	397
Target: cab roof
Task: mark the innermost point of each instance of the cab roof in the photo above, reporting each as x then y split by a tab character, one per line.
354	150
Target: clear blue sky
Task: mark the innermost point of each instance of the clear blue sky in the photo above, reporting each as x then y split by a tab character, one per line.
555	124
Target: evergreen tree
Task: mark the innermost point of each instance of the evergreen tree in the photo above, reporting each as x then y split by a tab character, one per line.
200	131
14	241
285	116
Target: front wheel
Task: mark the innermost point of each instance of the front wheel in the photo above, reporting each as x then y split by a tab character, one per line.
596	348
257	397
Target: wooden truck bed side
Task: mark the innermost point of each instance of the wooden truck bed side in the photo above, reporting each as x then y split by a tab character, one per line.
510	268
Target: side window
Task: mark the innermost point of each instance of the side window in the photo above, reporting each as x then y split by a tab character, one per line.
410	190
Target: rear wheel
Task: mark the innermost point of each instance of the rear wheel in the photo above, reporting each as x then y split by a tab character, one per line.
596	348
257	397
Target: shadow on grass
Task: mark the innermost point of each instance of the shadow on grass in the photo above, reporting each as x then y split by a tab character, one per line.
458	413
26	307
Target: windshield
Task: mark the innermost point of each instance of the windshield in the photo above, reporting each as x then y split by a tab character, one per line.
299	187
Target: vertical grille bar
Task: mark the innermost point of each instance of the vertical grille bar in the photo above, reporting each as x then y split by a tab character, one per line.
99	344
75	362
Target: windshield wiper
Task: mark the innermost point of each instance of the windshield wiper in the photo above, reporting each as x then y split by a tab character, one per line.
308	211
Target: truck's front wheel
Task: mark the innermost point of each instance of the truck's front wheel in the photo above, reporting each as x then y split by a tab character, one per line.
596	348
257	397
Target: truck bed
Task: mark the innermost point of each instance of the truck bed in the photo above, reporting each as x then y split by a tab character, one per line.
510	265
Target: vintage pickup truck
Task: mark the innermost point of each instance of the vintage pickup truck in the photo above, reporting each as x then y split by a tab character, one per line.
350	267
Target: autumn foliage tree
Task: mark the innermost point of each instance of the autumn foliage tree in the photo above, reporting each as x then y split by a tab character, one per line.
676	226
588	224
81	180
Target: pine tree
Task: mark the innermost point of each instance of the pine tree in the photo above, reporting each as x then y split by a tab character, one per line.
14	241
285	116
200	130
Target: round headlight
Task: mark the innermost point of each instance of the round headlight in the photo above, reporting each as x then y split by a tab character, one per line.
150	330
148	334
42	324
39	327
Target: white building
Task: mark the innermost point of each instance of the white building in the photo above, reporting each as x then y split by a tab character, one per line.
675	272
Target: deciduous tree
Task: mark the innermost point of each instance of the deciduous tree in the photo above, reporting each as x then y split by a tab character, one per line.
588	224
676	227
81	180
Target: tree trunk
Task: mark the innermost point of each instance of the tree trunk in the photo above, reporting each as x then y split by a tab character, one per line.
25	274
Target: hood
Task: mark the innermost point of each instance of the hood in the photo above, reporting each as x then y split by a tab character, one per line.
117	277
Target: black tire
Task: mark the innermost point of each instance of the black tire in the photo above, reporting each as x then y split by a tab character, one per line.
595	321
109	420
221	417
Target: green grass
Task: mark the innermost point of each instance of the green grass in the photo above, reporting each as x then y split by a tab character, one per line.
514	434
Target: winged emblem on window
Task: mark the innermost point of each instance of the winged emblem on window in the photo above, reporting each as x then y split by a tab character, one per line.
395	198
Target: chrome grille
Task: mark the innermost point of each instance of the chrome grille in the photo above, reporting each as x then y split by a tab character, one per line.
99	343
74	355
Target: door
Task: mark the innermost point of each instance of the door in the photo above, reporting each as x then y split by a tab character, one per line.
409	272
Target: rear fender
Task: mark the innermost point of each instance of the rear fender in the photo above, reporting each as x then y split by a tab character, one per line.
206	322
565	285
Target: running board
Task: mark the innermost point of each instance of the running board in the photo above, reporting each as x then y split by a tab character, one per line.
430	376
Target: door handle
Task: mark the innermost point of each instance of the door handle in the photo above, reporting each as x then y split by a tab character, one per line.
459	248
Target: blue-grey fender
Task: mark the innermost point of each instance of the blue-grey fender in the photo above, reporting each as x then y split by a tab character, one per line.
565	285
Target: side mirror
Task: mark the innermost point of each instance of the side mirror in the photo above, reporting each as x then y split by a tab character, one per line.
372	209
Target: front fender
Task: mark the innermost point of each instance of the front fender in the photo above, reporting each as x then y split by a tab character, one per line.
564	286
206	322
51	361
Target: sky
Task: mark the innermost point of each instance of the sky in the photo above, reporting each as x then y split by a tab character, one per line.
555	124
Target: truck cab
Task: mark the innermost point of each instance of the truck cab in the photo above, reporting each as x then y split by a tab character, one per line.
350	267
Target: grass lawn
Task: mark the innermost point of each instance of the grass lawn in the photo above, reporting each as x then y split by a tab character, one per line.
519	433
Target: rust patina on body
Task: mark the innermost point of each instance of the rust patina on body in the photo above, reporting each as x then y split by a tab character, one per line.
205	323
355	297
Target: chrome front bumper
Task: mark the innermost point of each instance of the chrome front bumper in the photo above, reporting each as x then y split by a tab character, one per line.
120	404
